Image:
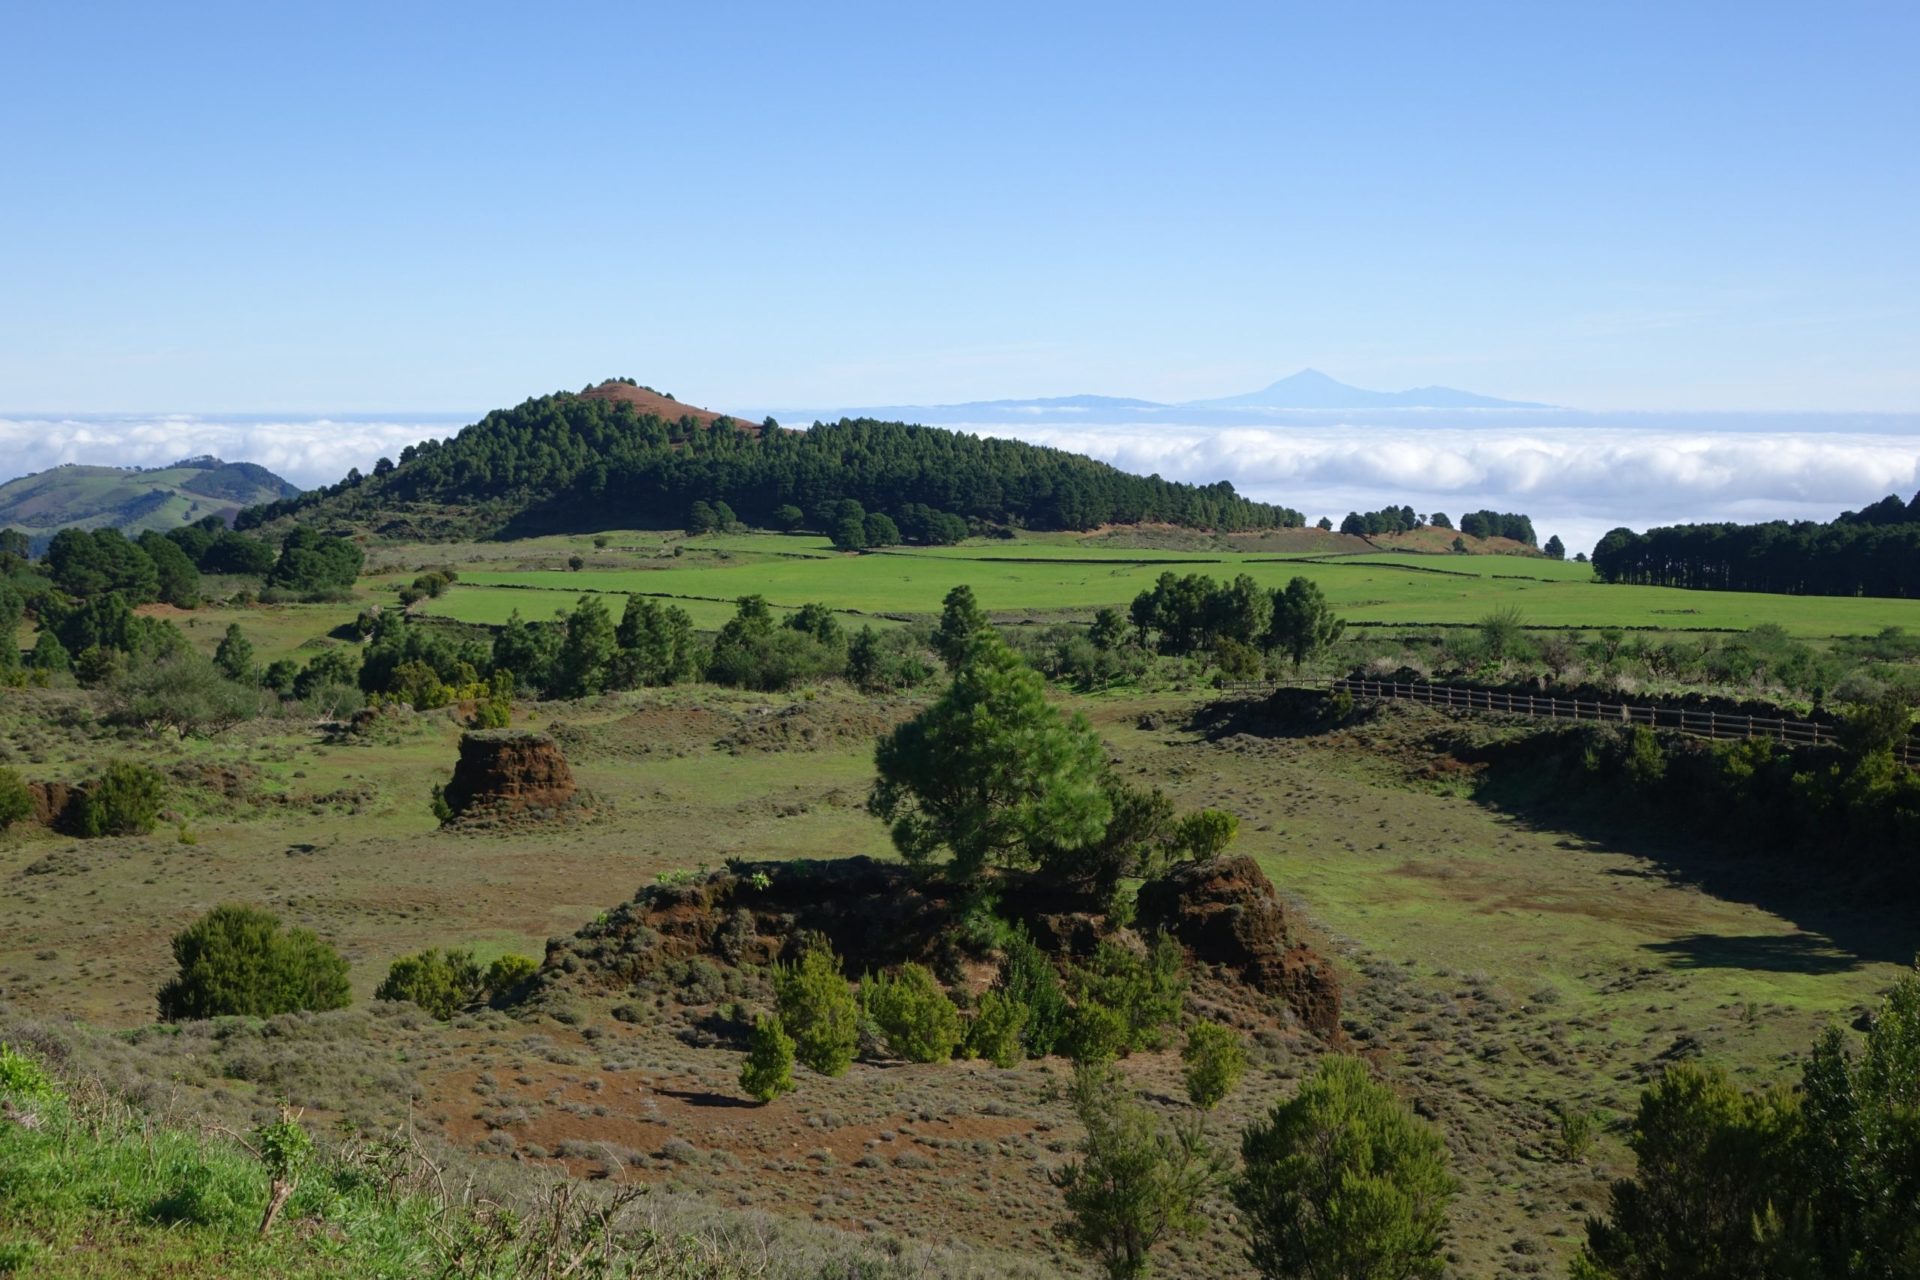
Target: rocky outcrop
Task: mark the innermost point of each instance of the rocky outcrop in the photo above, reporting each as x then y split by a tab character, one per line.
1225	912
506	775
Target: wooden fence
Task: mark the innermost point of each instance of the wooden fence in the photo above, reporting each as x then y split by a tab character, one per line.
1701	723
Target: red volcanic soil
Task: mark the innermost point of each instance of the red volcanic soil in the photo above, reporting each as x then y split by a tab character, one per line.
645	401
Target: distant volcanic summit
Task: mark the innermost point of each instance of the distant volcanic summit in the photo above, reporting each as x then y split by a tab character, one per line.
1311	389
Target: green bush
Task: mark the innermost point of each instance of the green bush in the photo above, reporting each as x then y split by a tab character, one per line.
507	973
1028	978
125	800
997	1026
1344	1180
817	1009
1144	991
916	1018
768	1071
238	960
440	982
22	1077
15	803
1094	1034
1215	1059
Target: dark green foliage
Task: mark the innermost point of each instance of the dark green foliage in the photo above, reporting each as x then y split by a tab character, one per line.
587	646
529	649
1109	630
108	622
1497	524
48	654
752	653
12	608
701	518
327	670
1139	837
787	517
654	646
86	564
1136	1182
1555	549
848	533
234	657
817	1008
1144	991
1216	1058
768	1071
177	579
960	620
880	531
440	982
567	460
1819	1183
125	800
1714	1165
313	565
1875	552
991	772
235	553
15	803
1385	520
1303	622
1028	978
400	649
917	1019
238	960
887	661
1343	1182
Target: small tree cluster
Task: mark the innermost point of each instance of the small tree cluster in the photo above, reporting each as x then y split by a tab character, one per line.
239	960
916	1018
817	1009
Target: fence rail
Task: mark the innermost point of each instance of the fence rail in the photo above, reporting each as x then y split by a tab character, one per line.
1700	723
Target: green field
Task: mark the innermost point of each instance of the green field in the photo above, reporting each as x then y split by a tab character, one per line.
1049	577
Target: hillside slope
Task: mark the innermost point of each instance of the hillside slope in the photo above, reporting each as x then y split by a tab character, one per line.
132	499
620	456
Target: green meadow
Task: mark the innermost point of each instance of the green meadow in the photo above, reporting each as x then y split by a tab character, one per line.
1049	577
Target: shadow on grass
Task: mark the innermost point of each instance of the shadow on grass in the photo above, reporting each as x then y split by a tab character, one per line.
1774	953
1840	926
705	1098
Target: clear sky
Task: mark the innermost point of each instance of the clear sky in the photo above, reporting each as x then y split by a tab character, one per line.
348	207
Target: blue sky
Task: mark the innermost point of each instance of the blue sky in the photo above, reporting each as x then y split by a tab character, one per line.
340	208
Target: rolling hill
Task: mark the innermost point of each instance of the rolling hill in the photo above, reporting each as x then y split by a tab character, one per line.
133	499
619	455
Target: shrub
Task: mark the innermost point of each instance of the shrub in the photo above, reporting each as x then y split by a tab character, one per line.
1028	978
1342	1180
440	982
183	692
15	803
22	1077
1144	991
817	1009
125	800
916	1018
507	973
238	960
1135	1182
997	1027
768	1071
1093	1034
1215	1059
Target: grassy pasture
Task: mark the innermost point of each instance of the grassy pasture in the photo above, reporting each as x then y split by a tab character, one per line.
1047	577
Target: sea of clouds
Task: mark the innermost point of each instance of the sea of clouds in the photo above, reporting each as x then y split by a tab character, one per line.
1577	481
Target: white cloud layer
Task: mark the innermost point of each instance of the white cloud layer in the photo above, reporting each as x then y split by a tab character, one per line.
307	451
1575	481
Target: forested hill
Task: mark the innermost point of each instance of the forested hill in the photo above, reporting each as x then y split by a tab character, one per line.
599	460
1873	552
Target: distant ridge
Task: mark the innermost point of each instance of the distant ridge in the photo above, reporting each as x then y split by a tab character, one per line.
1308	389
134	499
1311	389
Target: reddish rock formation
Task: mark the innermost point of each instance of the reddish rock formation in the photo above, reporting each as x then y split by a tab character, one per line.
508	774
1225	912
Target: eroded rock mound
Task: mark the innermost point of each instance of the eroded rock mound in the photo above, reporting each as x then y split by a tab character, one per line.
1225	912
509	775
52	802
